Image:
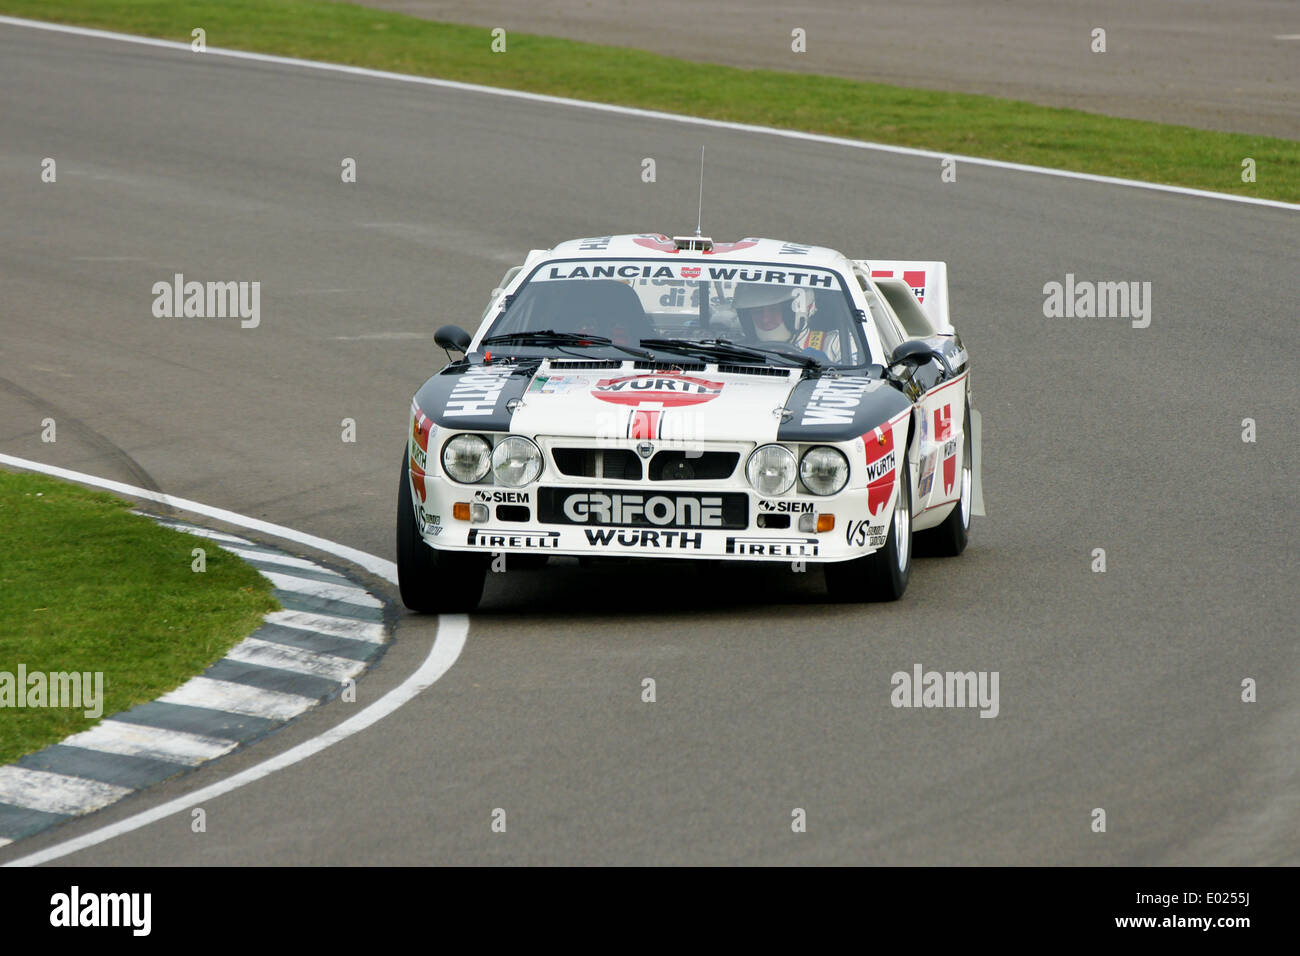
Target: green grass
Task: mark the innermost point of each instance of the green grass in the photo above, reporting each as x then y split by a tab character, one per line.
87	586
945	122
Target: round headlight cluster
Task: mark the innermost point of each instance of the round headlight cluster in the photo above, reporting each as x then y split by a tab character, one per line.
823	470
516	461
467	458
770	470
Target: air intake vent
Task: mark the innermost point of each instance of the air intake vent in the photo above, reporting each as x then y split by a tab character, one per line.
671	366
701	466
756	370
615	464
579	363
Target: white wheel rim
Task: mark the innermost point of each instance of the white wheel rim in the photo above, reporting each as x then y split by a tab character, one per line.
902	527
965	493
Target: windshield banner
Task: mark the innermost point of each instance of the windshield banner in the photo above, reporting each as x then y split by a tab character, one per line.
684	271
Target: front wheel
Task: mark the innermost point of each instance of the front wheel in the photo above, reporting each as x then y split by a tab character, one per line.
430	581
883	575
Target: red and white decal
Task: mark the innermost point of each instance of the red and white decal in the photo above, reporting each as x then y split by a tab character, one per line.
943	423
881	466
721	248
646	421
667	389
658	243
690	272
421	425
949	466
943	433
917	282
915	278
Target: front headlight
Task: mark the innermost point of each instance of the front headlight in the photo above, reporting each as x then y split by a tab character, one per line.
770	470
824	470
516	461
467	458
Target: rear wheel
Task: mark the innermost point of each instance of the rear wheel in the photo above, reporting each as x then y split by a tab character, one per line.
949	539
431	581
881	576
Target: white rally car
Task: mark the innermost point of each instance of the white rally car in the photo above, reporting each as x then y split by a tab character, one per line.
679	398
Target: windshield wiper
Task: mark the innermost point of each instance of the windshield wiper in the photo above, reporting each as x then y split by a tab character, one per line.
551	337
807	361
722	348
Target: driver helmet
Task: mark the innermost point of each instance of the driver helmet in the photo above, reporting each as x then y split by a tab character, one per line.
769	309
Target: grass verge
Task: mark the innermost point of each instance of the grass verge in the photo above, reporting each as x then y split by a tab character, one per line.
87	586
945	122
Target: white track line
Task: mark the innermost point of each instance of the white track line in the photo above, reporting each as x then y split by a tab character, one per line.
285	657
5	841
328	624
138	740
639	113
238	699
320	589
450	641
55	792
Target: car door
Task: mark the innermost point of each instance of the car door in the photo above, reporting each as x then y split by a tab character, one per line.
939	399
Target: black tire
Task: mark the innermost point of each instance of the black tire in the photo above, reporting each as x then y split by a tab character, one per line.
883	575
947	540
431	581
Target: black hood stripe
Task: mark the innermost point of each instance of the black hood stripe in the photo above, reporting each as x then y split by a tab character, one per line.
839	408
476	396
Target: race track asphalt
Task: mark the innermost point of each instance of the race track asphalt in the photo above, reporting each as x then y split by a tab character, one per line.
1118	690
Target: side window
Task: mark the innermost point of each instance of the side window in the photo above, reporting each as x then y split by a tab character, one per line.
891	334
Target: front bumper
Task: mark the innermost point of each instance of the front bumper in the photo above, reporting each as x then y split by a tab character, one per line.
518	525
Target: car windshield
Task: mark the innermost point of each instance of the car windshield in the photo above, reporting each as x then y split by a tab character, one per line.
800	311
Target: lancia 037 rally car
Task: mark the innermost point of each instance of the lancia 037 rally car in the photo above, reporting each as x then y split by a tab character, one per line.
653	397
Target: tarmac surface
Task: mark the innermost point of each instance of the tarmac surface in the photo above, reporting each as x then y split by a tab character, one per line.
1118	690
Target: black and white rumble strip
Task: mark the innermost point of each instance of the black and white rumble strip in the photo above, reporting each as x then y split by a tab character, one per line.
328	631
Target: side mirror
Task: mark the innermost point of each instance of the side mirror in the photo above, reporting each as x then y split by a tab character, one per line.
451	337
914	350
912	353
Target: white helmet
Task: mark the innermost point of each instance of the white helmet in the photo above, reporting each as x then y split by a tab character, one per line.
769	310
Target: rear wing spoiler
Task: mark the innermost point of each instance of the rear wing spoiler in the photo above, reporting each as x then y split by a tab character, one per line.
927	280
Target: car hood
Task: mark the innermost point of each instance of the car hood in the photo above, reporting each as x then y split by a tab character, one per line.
539	399
671	405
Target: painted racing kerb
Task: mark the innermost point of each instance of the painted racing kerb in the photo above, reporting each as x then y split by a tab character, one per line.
861	415
447	646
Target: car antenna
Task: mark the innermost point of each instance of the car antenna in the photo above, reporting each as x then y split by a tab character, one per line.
697	242
699	219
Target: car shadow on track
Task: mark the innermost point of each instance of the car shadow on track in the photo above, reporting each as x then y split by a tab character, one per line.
564	587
